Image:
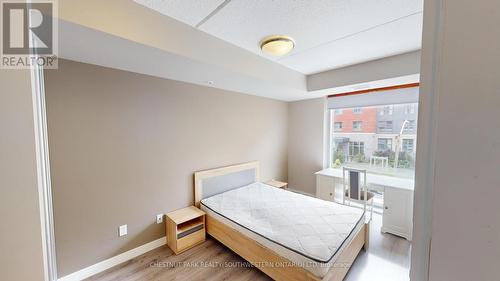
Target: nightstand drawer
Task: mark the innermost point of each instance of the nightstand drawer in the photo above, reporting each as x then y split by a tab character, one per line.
190	231
190	239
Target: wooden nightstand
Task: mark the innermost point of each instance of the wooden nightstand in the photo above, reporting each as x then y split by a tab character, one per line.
185	228
278	184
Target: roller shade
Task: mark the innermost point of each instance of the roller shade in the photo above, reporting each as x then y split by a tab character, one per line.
393	96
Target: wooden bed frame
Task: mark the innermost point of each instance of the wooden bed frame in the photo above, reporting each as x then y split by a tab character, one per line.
259	255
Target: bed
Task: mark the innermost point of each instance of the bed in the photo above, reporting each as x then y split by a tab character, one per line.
288	236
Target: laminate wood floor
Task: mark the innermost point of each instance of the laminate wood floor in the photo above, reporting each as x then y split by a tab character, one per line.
388	259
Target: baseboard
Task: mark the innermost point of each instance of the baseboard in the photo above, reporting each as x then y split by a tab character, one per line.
404	235
116	260
301	192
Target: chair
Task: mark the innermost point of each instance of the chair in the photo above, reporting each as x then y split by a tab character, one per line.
355	190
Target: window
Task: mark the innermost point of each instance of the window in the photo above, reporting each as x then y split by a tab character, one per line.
386	110
407	145
380	139
410	108
375	141
356	148
337	126
410	126
357	126
384	126
357	110
384	144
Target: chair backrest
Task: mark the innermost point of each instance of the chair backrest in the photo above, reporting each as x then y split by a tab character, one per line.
356	185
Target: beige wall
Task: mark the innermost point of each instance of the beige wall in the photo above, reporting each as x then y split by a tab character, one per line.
457	184
124	146
21	256
306	122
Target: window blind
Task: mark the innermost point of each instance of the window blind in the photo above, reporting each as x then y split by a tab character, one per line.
377	97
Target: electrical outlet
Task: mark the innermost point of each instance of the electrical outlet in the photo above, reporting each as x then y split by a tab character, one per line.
159	218
122	230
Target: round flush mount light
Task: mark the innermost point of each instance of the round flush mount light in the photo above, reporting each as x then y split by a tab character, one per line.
277	45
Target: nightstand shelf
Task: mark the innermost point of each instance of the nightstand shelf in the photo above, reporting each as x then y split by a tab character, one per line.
192	224
185	229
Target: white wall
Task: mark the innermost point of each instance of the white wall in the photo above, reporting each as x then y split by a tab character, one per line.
85	26
388	68
306	127
457	169
21	256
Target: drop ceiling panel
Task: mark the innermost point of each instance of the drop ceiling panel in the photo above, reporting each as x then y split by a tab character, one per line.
310	22
187	11
328	33
390	39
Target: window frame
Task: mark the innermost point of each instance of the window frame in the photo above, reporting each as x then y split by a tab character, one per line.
357	110
339	128
356	144
388	144
356	128
387	110
403	145
410	126
385	129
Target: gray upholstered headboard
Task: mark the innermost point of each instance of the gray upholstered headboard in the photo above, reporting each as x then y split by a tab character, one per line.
214	181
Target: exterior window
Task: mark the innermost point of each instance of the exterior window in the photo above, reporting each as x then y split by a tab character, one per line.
357	126
384	126
384	144
387	110
407	145
410	108
410	126
356	148
381	139
337	126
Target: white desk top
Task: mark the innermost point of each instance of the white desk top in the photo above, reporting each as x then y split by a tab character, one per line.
382	180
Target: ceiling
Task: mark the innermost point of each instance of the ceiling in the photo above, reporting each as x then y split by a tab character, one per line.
329	34
142	40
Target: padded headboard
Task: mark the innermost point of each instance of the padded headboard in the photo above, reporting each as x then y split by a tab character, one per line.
214	181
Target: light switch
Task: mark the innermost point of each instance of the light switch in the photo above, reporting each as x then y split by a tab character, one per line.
122	230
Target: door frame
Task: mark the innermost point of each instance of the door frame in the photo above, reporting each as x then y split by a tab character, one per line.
432	49
43	173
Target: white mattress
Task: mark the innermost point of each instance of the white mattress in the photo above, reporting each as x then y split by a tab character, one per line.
307	231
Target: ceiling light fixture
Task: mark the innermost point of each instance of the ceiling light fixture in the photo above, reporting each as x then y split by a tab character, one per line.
277	45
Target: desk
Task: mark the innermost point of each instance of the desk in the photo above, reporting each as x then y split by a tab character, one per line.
381	180
398	198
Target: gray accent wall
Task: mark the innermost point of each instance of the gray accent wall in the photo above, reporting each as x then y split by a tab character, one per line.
124	147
